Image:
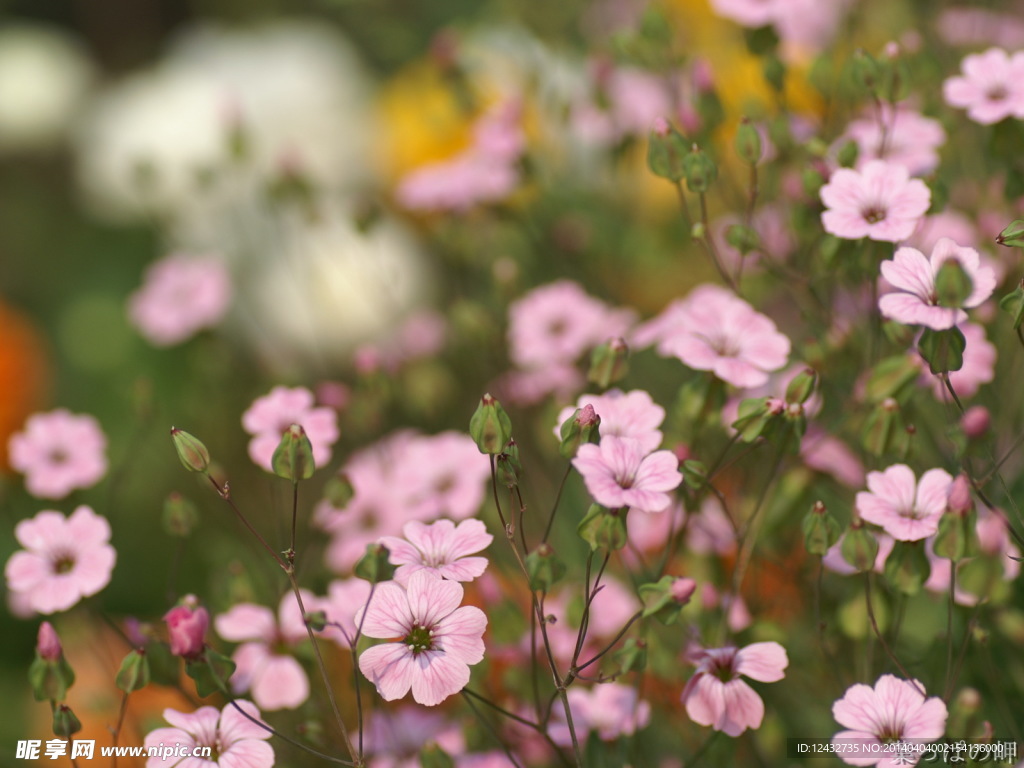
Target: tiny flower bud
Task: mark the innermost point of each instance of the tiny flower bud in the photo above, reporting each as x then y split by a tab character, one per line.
632	655
65	723
743	238
490	426
700	170
953	285
666	149
180	515
1012	235
544	568
975	422
293	458
821	530
191	451
609	363
48	644
374	566
802	386
580	428
682	590
602	527
943	350
907	568
316	620
665	598
860	547
187	625
134	672
660	127
960	501
748	142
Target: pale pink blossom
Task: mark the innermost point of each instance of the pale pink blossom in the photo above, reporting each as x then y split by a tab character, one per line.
949	223
709	530
829	455
915	301
443	474
979	26
714	330
879	201
716	696
803	25
648	533
394	737
345	598
610	610
64	559
775	239
442	547
269	417
528	387
275	678
902	136
619	473
235	741
58	452
623	414
995	547
894	710
979	366
610	710
749	13
439	640
908	510
991	87
180	295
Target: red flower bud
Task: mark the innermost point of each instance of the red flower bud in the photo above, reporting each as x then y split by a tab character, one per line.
187	626
48	644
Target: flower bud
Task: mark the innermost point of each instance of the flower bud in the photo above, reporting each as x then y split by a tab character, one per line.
293	458
582	427
1013	303
191	451
180	515
847	155
65	723
821	530
1012	235
134	672
666	149
544	568
748	142
665	598
943	350
490	426
609	363
975	422
187	625
682	590
860	547
953	286
700	170
802	386
374	565
865	70
602	527
48	644
907	568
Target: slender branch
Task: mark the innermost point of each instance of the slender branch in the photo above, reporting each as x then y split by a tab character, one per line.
554	508
491	729
881	639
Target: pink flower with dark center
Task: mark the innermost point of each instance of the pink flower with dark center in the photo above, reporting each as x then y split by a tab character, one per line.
64	560
269	417
880	202
235	741
180	296
894	710
716	695
715	330
623	414
264	667
916	301
437	639
991	87
442	548
443	474
619	473
59	452
908	510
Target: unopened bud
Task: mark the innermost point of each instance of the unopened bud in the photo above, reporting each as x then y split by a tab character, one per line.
374	566
490	426
544	568
65	723
339	491
580	428
191	451
860	547
700	170
821	530
187	624
609	363
48	644
953	285
975	422
49	675
802	386
293	458
1012	235
960	501
134	672
847	155
666	149
748	142
682	590
179	515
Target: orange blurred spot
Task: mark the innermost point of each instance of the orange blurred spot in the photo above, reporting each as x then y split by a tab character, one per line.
24	373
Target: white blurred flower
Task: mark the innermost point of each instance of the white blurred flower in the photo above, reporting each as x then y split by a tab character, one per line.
295	88
44	77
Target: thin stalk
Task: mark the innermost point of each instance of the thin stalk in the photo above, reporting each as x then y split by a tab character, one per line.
122	711
949	629
490	728
881	639
554	508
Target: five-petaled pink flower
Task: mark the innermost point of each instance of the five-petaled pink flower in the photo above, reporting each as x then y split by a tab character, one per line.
908	510
619	473
991	87
440	547
916	301
234	740
714	330
269	417
179	296
433	640
263	665
894	710
880	202
64	560
59	452
716	695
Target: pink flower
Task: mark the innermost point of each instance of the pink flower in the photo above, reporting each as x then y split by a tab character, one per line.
834	560
64	560
439	640
179	296
880	202
269	417
749	13
275	679
444	474
979	366
716	696
618	473
395	737
48	643
235	741
441	548
187	625
915	302
623	414
894	710
345	598
827	454
715	330
906	509
59	452
991	87
557	323
909	139
610	710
